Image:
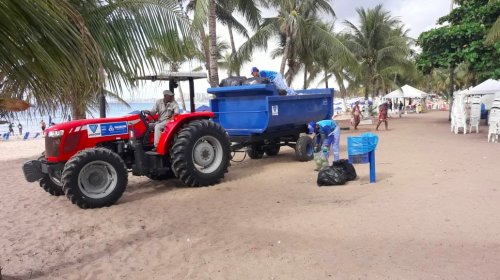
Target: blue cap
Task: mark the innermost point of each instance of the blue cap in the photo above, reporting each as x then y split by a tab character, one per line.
255	69
311	126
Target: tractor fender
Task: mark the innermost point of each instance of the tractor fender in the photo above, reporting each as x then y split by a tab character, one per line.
177	122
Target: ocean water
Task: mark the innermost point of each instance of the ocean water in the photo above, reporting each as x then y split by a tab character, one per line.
32	124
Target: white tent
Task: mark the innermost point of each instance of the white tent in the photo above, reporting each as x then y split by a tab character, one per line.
487	87
407	92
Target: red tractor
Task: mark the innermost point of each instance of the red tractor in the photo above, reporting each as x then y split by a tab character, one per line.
89	160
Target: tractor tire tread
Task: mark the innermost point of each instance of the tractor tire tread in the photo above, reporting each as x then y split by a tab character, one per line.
74	165
180	160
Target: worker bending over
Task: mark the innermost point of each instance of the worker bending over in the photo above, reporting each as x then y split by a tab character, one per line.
327	137
275	78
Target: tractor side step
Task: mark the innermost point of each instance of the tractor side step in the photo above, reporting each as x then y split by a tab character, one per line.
151	153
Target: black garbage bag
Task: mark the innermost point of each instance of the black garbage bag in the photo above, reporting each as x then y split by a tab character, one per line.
349	170
256	81
232	81
331	176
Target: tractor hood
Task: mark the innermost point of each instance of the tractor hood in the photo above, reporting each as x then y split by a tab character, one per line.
83	123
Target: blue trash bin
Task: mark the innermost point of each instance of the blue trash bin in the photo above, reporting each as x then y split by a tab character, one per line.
361	149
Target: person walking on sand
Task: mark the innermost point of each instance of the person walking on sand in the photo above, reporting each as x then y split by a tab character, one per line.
356	114
11	129
43	125
382	115
20	126
400	109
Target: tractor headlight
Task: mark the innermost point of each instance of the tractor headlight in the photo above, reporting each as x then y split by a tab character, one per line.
55	133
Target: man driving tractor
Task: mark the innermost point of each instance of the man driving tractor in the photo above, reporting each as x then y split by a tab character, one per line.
166	108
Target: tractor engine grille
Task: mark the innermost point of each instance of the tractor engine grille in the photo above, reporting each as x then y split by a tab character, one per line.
71	142
52	146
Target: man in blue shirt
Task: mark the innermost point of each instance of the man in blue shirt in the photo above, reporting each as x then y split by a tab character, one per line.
328	136
274	77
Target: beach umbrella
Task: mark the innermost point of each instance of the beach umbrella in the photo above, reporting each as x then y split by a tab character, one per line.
13	105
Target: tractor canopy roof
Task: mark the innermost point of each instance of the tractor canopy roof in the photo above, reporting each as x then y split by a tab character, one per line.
176	76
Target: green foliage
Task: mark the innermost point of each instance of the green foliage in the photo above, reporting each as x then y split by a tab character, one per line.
68	50
381	47
463	39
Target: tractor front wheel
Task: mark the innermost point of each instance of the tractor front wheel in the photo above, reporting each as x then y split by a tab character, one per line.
51	183
94	178
200	154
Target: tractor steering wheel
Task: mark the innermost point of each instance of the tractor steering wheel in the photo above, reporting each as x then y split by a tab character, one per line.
146	116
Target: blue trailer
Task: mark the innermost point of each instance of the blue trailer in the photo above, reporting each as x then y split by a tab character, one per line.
257	118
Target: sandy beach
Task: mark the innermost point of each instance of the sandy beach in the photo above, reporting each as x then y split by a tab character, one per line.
434	213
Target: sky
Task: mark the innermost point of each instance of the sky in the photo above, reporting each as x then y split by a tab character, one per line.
417	15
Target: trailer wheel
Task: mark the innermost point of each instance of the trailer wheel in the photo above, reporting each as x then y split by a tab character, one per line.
201	153
51	183
272	150
94	178
255	151
304	148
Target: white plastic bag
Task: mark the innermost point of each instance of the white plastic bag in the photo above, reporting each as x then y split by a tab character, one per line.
320	160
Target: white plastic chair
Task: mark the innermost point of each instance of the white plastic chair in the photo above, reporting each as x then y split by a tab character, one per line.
494	123
475	114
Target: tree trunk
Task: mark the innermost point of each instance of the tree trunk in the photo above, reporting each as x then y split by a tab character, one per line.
285	54
212	35
452	77
102	97
102	104
77	112
305	77
326	79
367	90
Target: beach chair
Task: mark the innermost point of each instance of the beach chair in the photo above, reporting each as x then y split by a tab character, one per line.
7	136
36	135
494	124
26	135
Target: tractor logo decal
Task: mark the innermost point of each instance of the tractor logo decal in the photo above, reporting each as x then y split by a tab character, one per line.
107	129
93	127
94	130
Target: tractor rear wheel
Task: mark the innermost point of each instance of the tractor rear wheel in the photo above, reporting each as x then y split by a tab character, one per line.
201	153
94	178
304	148
51	183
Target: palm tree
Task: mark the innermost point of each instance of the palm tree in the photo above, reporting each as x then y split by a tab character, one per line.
174	53
376	45
69	50
212	10
44	50
295	23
